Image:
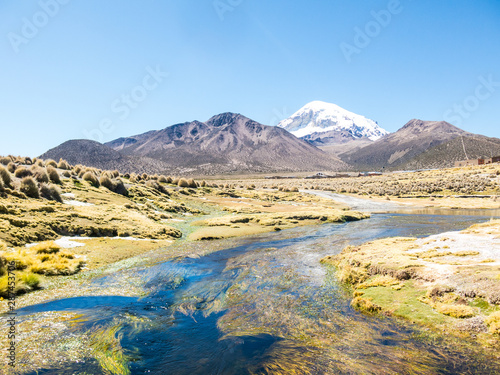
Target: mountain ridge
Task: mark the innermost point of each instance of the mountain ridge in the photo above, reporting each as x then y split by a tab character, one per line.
227	143
419	144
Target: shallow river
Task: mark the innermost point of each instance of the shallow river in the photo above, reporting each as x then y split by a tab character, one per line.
265	305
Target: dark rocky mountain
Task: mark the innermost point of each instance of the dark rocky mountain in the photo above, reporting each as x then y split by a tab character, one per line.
227	143
95	154
420	145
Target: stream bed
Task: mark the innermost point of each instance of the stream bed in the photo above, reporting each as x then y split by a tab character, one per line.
263	305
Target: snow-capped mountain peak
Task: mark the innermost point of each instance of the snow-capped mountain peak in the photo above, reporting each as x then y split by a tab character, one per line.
320	117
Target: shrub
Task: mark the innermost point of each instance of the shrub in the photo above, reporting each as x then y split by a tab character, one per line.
77	169
133	178
5	176
22	172
106	182
40	163
53	175
5	160
91	178
51	162
203	183
162	179
154	185
175	180
66	174
40	174
115	173
2	188
11	167
183	183
120	187
63	164
29	187
192	183
50	192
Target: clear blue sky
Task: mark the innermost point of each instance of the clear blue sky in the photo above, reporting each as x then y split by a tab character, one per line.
65	69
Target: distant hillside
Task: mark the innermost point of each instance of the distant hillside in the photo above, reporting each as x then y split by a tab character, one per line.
227	143
445	154
399	148
95	154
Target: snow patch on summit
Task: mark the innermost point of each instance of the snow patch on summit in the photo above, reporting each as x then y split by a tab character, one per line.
319	117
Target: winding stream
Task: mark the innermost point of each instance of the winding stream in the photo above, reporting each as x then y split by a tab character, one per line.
264	305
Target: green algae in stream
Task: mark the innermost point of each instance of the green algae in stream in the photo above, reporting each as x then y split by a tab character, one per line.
106	348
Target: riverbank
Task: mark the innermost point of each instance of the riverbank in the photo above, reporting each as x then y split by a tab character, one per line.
87	225
449	282
472	187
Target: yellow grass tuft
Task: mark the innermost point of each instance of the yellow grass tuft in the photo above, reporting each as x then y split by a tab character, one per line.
493	322
365	305
46	247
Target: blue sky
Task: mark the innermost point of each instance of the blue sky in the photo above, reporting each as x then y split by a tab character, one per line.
92	69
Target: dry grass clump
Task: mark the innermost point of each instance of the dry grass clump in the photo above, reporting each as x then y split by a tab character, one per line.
115	185
63	164
5	160
91	178
29	187
46	247
493	322
455	311
51	163
162	179
53	175
379	280
365	305
120	187
77	169
11	167
45	258
22	172
40	174
192	183
154	185
105	181
182	182
5	176
26	282
50	192
445	301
